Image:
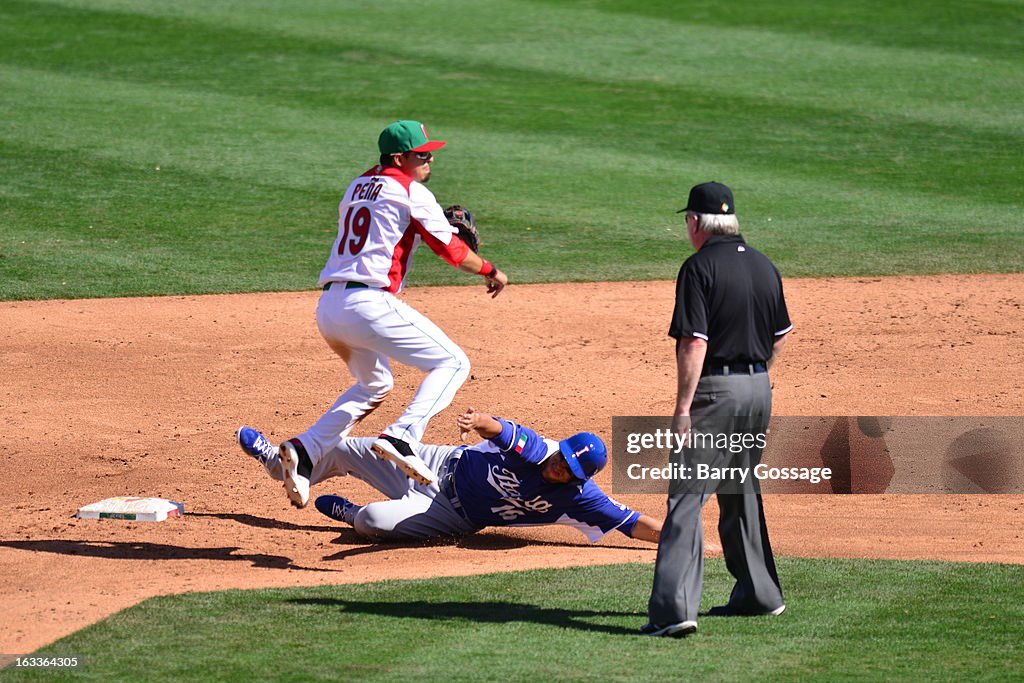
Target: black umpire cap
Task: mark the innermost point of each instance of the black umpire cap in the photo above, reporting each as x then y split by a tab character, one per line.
710	198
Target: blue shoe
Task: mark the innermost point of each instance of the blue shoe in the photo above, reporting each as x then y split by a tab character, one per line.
255	444
338	508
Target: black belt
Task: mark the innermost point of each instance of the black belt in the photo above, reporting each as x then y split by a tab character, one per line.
735	369
447	486
348	285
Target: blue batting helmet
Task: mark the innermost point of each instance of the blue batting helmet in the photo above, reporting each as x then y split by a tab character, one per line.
585	454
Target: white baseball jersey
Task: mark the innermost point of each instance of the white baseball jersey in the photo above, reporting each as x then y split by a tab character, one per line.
382	219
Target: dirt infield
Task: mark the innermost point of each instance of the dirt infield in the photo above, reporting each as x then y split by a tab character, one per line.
142	396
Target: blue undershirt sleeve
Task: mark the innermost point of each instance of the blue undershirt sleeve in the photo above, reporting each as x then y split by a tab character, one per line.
508	433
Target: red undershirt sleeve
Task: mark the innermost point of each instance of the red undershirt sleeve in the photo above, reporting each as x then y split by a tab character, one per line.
453	253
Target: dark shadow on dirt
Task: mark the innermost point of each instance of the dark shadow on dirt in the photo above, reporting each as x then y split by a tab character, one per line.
156	551
263	522
482	541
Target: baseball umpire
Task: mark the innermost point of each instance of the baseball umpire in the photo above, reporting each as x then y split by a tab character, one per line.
514	478
383	217
730	322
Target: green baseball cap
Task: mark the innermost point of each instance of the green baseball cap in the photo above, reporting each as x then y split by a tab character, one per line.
406	136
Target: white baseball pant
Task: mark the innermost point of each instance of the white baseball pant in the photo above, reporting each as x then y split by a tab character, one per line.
366	327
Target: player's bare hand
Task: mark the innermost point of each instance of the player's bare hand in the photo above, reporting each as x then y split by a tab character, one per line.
483	424
466	422
496	283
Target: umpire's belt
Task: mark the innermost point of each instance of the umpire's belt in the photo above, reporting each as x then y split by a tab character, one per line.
348	285
447	486
735	369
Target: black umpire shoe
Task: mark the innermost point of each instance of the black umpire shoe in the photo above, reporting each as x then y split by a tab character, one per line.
730	611
678	630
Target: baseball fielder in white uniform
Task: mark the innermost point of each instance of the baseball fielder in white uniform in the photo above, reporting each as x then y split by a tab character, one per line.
384	216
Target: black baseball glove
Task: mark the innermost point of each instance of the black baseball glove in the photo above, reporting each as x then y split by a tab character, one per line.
462	220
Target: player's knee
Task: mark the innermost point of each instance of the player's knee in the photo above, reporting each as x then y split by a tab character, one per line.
373	521
459	362
380	388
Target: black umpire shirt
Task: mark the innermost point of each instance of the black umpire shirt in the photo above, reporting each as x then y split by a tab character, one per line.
730	295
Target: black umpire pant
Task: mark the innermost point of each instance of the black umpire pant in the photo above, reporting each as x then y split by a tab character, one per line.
733	404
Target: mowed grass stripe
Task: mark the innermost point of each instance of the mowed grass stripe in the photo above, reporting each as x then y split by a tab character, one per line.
533	195
149	232
589	168
849	619
557	204
225	135
979	28
890	154
579	43
273	143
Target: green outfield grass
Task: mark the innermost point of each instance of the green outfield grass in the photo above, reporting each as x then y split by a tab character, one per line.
186	147
847	620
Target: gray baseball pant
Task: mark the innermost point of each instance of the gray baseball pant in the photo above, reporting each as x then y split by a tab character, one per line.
732	401
413	512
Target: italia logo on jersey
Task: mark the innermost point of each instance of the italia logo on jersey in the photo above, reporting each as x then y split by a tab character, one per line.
521	444
506	483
